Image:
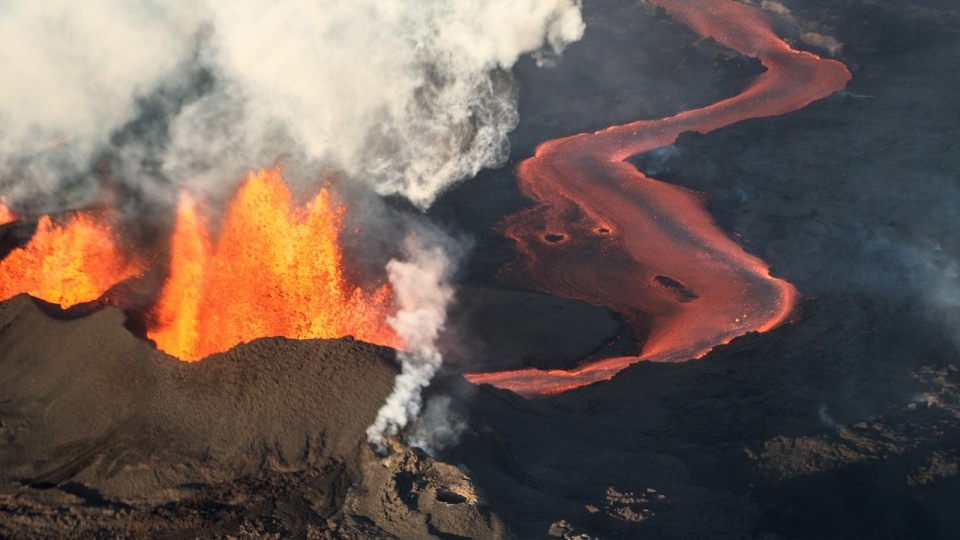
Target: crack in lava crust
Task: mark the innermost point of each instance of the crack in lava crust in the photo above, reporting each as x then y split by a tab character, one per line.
691	285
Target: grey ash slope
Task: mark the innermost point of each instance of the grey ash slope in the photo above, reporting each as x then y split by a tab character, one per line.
90	409
104	436
86	401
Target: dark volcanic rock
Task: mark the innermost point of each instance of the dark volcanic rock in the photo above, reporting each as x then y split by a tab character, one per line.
492	329
87	402
806	432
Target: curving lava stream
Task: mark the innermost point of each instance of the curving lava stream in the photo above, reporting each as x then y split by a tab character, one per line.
666	268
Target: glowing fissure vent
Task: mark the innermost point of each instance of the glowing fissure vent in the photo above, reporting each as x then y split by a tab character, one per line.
273	270
69	263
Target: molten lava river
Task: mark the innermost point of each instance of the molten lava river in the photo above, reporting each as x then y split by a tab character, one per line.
671	273
276	269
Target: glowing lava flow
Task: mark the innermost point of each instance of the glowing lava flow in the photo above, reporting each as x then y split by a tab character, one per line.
275	270
675	276
66	264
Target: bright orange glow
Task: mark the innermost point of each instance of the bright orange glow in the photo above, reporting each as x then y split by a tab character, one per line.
676	278
274	270
66	264
6	216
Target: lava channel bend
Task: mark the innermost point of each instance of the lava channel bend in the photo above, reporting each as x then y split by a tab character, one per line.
670	272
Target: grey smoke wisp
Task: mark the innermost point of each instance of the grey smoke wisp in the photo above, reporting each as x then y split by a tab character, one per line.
422	291
438	426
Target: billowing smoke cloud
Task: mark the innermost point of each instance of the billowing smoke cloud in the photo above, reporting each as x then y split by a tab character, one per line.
72	73
408	96
420	284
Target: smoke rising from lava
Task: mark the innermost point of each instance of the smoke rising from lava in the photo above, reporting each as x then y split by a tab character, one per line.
422	291
919	269
406	96
72	74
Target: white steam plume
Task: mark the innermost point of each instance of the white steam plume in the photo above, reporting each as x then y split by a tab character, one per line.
407	96
422	295
71	73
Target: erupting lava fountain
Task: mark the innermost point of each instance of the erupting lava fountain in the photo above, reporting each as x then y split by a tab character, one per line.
274	270
676	277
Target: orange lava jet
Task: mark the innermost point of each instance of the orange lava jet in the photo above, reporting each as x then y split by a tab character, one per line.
6	216
274	270
66	264
675	276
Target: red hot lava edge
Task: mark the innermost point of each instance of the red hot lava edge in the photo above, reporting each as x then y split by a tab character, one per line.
674	274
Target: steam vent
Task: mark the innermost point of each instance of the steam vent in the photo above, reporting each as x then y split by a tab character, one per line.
395	269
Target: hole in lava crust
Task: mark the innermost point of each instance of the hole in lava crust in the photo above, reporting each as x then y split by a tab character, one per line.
682	293
554	238
449	497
